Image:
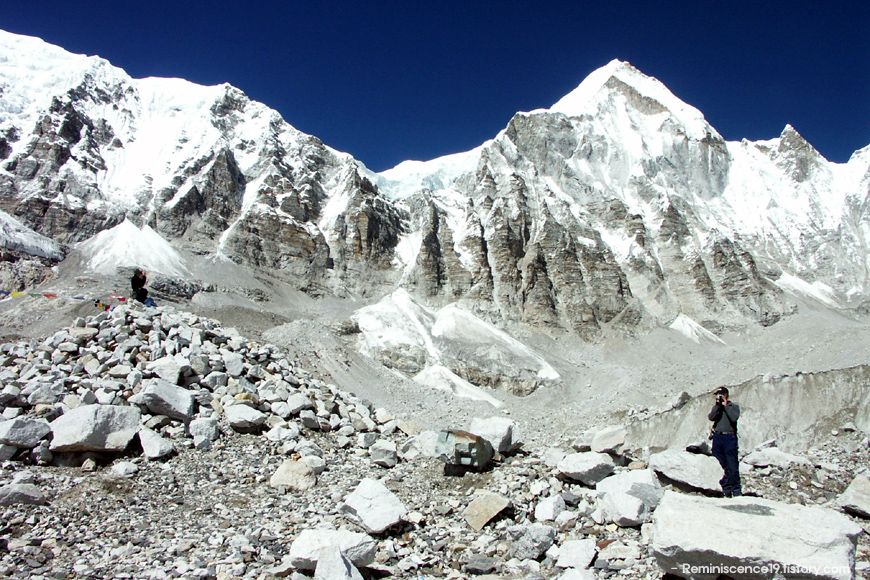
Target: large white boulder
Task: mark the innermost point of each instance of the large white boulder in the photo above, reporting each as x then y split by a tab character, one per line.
376	507
640	483
700	538
501	432
95	428
608	440
856	498
587	467
698	471
305	551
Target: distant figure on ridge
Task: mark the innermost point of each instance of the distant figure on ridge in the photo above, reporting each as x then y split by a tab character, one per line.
724	416
137	283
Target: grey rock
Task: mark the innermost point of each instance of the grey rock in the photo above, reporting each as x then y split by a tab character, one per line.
640	483
233	362
23	433
333	565
608	440
244	418
697	471
623	509
153	445
309	419
366	440
384	453
164	398
481	565
531	541
282	409
21	493
214	380
7	452
586	467
167	368
298	402
307	447
43	395
280	433
205	427
95	428
294	476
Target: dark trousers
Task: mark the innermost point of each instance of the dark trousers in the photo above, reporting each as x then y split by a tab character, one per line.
725	450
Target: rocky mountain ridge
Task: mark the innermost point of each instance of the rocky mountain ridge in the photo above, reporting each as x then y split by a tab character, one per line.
618	206
614	213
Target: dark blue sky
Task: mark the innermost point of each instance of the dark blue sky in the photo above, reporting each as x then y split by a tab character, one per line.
388	81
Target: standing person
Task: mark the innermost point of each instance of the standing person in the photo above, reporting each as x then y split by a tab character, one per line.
724	416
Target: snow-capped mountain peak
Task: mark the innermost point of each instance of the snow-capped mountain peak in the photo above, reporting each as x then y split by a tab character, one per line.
643	91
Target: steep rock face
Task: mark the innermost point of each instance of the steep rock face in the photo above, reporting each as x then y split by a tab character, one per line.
364	235
204	211
85	146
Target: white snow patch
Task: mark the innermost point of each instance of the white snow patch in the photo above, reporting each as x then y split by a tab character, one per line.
693	331
407	249
126	245
460	326
409	177
817	290
396	322
399	325
442	378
